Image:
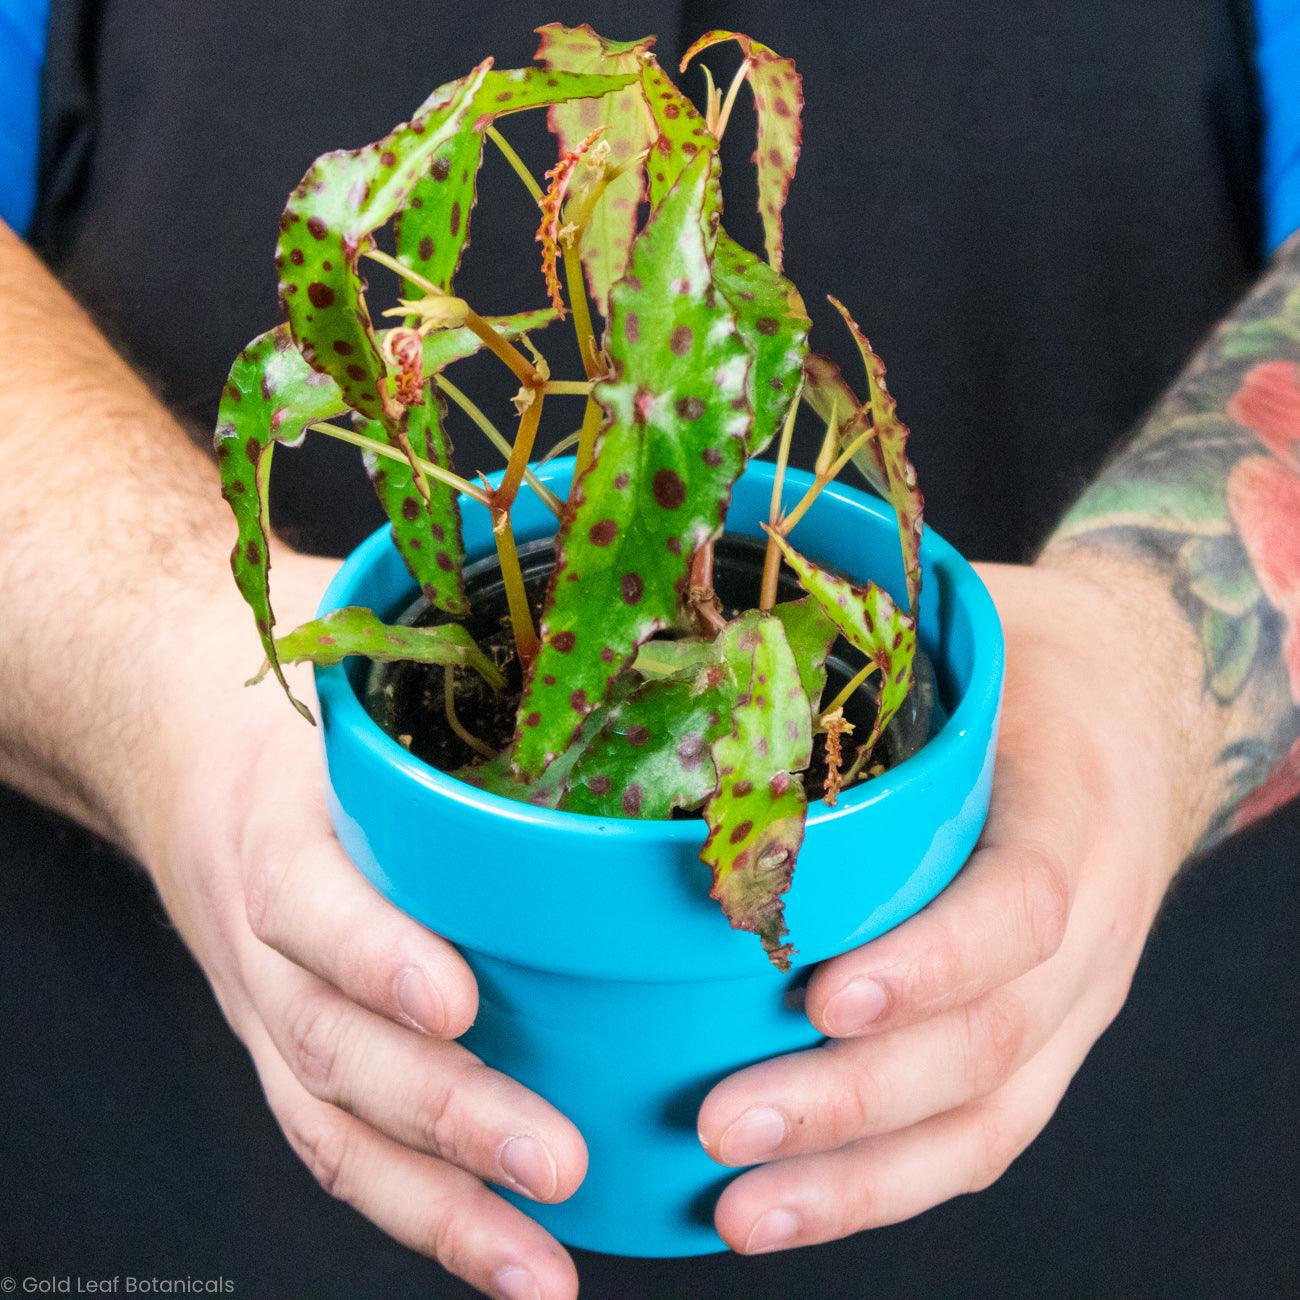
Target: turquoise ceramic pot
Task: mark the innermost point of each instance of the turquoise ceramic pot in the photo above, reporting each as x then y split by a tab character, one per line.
609	982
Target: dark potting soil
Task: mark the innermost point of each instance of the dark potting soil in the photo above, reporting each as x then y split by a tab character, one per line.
406	699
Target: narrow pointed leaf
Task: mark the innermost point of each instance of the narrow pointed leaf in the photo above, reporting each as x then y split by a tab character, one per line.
327	224
756	814
628	130
357	631
772	320
661	480
680	133
827	391
432	230
778	102
271	396
889	450
425	518
653	753
868	617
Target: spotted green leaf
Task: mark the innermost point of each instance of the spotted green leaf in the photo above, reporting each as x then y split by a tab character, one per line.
811	632
426	518
756	814
652	754
680	134
327	224
888	449
357	631
628	130
827	391
271	396
677	416
778	102
432	229
871	621
772	320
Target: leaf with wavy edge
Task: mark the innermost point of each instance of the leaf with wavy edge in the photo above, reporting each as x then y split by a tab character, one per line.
677	417
772	320
869	618
680	135
827	391
432	231
628	129
327	224
889	450
778	102
652	754
756	814
811	632
354	630
271	396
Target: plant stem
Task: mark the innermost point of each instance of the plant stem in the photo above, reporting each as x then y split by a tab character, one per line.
501	347
401	269
569	440
725	115
504	497
498	440
591	417
453	719
516	162
842	698
521	617
578	304
822	480
389	453
772	556
567	388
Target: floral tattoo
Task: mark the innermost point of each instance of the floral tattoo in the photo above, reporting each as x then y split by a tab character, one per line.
1209	490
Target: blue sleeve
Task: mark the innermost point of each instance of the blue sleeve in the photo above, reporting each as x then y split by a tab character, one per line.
1277	55
22	57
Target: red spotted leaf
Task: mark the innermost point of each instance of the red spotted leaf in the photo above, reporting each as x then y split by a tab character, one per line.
772	320
778	102
653	753
756	814
327	224
677	416
271	396
869	619
680	134
432	230
888	451
628	130
827	391
357	631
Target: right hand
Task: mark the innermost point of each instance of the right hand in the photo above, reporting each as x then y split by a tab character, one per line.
348	1007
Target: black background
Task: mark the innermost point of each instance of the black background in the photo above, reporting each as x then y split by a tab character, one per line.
1036	210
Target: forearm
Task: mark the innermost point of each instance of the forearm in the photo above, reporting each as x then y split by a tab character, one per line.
112	562
1205	501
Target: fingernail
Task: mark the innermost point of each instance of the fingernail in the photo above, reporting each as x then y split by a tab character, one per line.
855	1006
774	1229
757	1133
419	1002
515	1283
530	1166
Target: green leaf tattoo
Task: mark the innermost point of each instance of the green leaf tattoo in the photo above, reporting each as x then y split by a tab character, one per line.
756	814
658	489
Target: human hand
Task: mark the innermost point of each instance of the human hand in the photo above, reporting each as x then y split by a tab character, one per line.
347	1006
953	1037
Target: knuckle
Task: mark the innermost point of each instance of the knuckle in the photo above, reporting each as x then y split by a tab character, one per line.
316	1031
855	1104
940	969
440	1123
994	1033
1045	902
323	1144
448	1237
261	889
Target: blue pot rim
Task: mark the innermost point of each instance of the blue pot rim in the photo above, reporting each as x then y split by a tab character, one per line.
978	701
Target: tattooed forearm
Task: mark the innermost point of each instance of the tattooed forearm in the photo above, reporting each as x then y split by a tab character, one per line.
1209	491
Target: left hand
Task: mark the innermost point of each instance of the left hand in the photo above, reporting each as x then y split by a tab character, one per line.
953	1037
